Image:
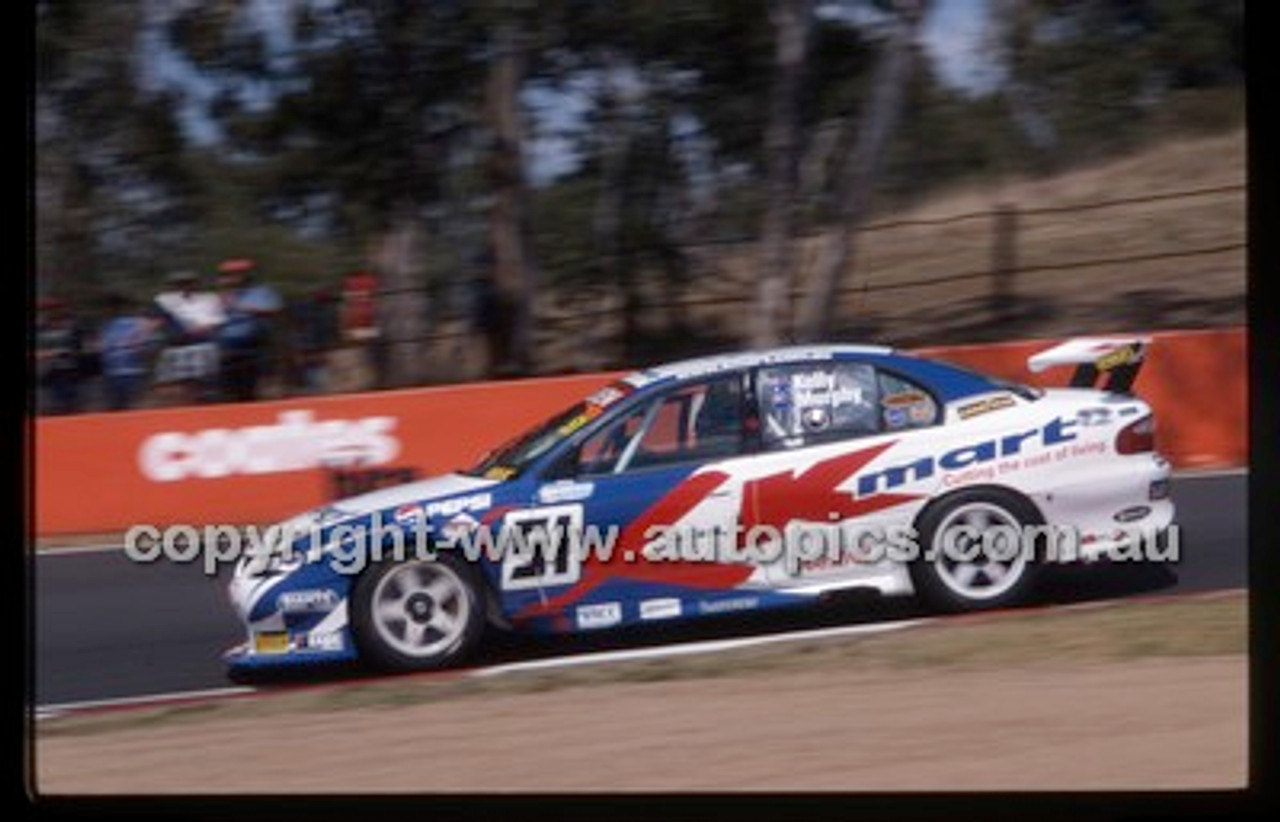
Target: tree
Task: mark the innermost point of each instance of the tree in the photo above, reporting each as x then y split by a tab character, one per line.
637	69
1085	79
112	194
792	20
511	350
365	115
861	167
704	63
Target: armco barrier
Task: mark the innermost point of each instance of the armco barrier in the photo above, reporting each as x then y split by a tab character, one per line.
257	462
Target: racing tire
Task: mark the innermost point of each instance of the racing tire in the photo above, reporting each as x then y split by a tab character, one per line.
419	614
956	572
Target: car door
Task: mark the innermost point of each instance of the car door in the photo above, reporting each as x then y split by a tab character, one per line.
653	467
821	423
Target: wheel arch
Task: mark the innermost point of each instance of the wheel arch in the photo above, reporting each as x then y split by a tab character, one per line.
488	587
982	489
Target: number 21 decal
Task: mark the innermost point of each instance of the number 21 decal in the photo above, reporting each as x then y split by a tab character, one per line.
538	544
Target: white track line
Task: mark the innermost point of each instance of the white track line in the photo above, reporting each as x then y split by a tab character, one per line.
49	711
57	551
705	647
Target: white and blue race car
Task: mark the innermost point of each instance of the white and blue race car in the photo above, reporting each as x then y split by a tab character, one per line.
722	484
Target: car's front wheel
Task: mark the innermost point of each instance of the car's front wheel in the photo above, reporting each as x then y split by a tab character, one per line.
417	615
976	551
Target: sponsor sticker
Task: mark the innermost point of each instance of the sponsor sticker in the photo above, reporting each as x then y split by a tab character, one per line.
780	391
600	615
921	412
319	641
725	606
309	601
456	505
1121	356
1031	446
666	608
987	405
579	420
903	399
606	396
566	491
1094	416
408	514
1134	513
272	642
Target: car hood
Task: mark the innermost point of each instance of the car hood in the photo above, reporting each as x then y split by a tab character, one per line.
426	490
420	491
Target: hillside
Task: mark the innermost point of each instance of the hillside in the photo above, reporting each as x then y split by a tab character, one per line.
948	237
1050	295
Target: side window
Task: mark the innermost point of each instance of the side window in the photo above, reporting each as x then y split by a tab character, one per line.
698	421
819	402
903	404
600	453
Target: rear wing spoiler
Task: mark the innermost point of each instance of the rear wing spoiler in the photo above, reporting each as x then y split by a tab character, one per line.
1120	358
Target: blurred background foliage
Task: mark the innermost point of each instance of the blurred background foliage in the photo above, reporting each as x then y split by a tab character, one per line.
536	159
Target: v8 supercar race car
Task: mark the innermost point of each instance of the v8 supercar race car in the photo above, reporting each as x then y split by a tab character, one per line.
924	456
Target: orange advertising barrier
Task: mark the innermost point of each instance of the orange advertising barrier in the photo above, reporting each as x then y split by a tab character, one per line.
257	462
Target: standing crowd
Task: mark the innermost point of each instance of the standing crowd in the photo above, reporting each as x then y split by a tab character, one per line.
195	343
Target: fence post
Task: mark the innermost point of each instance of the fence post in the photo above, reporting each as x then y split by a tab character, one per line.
1004	262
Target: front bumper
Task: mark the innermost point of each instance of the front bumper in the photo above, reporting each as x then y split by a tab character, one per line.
297	617
245	656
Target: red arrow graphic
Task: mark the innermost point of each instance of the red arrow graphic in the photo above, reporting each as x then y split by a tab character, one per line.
811	495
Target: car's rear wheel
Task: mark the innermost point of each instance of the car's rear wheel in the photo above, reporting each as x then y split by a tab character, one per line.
419	614
974	552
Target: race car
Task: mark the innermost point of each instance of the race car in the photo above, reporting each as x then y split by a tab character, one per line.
723	484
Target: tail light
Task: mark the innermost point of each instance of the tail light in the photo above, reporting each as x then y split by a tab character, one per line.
1137	437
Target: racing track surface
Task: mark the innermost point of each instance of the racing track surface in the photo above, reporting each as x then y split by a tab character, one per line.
106	627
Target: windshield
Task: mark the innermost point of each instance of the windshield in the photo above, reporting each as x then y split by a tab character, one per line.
511	459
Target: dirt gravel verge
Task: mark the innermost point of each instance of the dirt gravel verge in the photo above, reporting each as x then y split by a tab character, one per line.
1067	707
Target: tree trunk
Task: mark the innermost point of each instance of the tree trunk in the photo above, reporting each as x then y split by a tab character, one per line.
792	20
402	310
607	217
892	73
512	273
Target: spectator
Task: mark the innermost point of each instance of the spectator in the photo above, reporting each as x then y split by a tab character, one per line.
359	307
59	347
190	315
125	342
313	330
242	338
360	326
189	318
